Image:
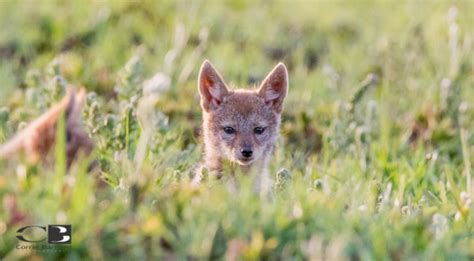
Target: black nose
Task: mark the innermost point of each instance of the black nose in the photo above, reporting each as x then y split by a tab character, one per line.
246	152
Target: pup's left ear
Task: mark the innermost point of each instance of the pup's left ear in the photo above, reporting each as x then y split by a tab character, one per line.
275	87
212	87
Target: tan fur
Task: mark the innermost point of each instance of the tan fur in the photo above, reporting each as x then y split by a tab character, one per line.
244	111
37	139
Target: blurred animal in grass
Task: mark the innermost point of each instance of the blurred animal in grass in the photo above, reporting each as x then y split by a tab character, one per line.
36	140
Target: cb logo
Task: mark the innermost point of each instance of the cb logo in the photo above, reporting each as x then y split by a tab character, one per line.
56	234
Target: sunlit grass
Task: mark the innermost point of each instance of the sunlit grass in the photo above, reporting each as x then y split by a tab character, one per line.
374	160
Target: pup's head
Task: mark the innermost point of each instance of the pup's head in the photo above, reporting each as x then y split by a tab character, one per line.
242	124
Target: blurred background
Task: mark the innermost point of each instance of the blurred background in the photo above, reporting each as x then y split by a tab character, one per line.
330	47
380	99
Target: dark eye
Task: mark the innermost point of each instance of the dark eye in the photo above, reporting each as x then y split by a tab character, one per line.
259	130
229	130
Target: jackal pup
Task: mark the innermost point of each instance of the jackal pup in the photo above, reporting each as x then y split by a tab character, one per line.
240	125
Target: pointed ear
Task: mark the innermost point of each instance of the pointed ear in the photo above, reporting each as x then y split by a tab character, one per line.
275	87
76	102
212	87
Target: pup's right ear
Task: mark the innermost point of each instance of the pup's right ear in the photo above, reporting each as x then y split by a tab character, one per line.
212	87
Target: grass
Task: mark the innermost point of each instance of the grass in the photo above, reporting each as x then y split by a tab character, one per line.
374	160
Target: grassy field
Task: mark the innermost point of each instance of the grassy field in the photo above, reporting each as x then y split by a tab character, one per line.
374	159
